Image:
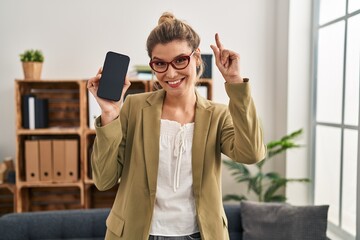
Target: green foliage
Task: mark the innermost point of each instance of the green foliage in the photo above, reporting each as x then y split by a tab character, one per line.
32	56
264	185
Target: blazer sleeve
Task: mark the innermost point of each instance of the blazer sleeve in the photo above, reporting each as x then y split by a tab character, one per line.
242	136
108	154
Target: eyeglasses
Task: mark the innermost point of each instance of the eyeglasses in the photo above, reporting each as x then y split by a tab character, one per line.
178	63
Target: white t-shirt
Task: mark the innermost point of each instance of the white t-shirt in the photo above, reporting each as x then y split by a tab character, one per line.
174	211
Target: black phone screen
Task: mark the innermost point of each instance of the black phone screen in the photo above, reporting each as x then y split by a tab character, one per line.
113	76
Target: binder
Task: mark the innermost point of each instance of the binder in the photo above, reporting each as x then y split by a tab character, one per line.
71	160
41	113
28	111
32	160
46	165
58	156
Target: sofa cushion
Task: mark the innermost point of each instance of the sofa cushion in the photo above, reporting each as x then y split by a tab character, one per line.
234	221
283	221
64	224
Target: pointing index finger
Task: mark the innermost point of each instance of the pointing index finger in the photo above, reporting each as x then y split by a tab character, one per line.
218	43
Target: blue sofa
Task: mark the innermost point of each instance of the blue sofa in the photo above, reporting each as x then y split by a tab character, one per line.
79	224
248	220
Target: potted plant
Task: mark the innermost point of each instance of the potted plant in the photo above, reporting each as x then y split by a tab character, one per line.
264	185
32	61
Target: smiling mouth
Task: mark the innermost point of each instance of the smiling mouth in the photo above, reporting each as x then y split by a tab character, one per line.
175	83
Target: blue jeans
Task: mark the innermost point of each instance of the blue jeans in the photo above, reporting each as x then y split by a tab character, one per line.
194	236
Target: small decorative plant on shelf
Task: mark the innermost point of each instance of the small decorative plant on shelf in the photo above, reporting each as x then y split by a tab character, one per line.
32	61
265	185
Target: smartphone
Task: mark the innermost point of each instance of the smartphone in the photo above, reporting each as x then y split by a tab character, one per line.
113	76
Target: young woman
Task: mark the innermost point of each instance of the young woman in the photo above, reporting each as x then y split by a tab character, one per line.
164	147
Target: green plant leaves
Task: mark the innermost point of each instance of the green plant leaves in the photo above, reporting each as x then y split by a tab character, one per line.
32	56
234	197
240	171
276	198
265	185
286	142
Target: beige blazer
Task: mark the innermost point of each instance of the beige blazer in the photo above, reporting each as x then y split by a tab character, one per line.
128	149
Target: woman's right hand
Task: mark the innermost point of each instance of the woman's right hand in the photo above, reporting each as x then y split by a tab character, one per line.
109	109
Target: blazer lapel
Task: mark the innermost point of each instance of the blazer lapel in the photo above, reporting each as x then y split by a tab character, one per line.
201	130
151	130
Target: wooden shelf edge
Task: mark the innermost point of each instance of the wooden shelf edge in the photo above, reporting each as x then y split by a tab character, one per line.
89	181
50	80
49	131
90	131
49	184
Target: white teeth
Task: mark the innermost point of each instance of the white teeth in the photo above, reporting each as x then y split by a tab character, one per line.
174	82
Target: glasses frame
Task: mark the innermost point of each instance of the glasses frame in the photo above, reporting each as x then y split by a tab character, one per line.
171	63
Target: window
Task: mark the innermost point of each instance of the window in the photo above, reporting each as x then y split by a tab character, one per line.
336	121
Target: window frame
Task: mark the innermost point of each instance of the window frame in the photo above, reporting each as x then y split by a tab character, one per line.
336	229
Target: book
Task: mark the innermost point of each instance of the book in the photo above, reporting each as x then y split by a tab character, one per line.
71	160
58	157
32	167
28	111
142	69
45	160
141	72
41	113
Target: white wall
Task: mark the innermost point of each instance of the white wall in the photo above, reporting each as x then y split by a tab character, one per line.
299	98
74	36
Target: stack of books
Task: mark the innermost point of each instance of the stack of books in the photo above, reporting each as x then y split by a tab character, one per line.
141	72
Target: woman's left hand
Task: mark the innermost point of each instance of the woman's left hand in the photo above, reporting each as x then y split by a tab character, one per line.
227	61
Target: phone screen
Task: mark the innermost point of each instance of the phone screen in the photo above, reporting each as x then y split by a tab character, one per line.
113	76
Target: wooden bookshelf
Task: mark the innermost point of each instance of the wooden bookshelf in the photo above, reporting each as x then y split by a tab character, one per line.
67	120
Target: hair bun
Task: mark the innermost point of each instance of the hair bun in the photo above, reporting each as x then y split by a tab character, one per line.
166	17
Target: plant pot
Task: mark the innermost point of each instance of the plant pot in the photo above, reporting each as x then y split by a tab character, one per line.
32	70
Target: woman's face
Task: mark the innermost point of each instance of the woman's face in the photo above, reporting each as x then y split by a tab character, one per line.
176	82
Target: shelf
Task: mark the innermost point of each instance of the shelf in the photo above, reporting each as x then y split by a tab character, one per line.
45	198
66	112
50	81
49	131
49	184
90	132
64	101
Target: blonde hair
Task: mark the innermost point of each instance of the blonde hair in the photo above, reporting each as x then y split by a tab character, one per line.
169	29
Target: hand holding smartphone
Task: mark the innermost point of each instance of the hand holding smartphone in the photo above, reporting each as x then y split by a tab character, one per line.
113	76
